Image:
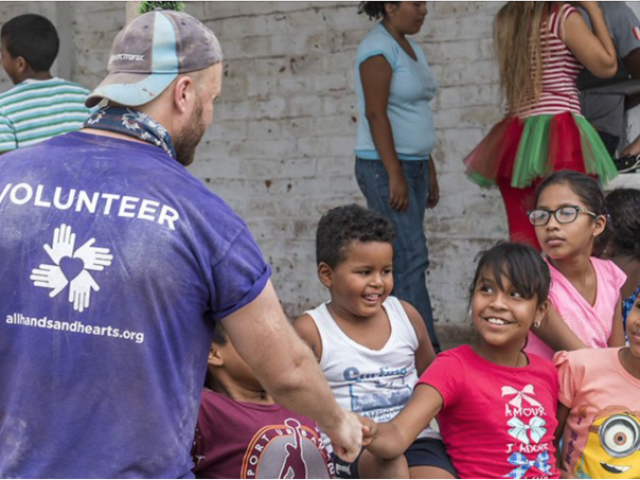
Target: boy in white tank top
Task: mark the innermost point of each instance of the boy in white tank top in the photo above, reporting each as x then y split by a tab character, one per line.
371	346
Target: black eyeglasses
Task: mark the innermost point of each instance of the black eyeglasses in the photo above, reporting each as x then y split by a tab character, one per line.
567	214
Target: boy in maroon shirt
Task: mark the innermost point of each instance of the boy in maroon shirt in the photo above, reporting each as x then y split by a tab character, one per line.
243	433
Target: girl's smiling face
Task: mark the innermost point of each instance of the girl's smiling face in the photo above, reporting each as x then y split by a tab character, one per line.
561	240
501	315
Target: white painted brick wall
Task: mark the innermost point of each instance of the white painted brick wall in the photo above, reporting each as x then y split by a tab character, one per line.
280	150
288	118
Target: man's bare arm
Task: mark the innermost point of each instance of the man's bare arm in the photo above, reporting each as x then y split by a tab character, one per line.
287	369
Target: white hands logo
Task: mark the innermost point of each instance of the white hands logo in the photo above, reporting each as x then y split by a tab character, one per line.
71	267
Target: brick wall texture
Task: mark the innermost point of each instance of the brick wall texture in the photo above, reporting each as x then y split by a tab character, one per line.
280	149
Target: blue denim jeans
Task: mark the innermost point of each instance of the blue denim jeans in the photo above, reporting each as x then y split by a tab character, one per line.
410	254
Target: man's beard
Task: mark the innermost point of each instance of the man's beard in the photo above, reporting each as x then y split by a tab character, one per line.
189	137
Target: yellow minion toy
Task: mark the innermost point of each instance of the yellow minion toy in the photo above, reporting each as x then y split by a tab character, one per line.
613	445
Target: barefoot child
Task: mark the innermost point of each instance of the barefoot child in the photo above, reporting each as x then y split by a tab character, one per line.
242	433
496	405
370	345
599	409
585	310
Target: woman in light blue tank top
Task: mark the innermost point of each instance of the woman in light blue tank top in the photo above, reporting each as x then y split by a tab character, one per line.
396	136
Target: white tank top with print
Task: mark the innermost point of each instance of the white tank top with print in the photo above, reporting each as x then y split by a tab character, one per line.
373	383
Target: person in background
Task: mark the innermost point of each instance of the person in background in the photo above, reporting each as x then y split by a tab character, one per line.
39	106
395	168
606	111
542	47
571	222
623	244
243	433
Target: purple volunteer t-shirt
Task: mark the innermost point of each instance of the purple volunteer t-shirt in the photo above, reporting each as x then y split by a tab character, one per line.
246	440
115	265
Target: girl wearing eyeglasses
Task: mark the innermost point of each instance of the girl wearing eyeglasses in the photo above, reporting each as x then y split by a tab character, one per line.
599	408
570	221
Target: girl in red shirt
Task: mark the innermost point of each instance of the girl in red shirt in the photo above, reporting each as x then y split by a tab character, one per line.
496	405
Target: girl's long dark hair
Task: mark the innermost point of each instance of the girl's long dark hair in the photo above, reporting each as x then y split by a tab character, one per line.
521	264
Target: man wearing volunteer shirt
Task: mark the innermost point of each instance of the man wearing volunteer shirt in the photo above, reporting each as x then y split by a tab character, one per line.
116	265
606	111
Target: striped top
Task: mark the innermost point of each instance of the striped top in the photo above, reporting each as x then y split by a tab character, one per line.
35	110
560	69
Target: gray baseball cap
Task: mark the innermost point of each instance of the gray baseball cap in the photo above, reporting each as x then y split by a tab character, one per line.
150	52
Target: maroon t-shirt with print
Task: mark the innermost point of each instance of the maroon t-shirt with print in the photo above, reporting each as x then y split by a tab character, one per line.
246	440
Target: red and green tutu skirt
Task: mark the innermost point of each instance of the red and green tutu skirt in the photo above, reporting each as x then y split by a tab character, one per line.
523	150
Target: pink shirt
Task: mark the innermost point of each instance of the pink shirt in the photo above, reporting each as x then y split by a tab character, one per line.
496	422
602	432
591	323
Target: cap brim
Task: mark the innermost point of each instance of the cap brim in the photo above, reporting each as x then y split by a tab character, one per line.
130	89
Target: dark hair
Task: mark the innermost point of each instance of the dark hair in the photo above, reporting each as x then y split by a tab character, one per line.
589	191
342	225
220	335
521	264
623	206
374	9
219	338
32	37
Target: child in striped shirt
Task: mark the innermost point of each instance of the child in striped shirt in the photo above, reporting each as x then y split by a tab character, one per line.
39	106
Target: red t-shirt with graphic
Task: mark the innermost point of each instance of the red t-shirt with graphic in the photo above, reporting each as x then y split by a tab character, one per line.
496	422
246	440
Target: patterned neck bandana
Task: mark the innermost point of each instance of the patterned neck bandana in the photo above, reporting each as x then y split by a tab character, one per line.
134	124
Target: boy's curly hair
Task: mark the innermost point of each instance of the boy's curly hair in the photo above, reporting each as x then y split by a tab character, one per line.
342	225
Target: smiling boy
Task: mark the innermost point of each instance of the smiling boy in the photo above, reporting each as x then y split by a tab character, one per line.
371	346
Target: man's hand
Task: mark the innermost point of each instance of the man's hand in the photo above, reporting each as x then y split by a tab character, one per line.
346	438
